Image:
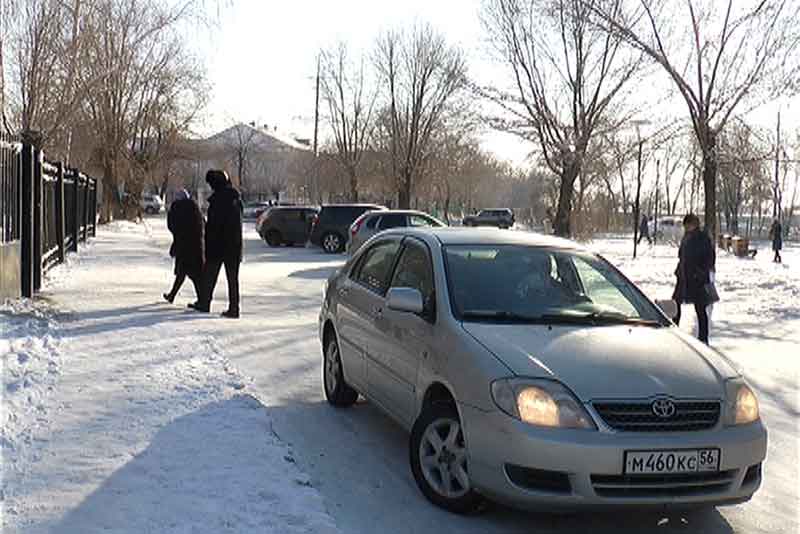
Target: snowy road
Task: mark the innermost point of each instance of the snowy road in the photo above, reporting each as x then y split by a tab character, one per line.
198	371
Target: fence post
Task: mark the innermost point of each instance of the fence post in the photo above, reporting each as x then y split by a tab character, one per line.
94	209
60	229
38	219
26	209
86	211
75	221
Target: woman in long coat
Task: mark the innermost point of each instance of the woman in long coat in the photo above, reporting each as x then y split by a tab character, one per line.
185	221
696	261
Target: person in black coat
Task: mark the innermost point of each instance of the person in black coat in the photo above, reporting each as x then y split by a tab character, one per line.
223	242
776	234
696	261
185	221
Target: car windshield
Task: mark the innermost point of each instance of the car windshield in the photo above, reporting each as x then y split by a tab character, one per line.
501	283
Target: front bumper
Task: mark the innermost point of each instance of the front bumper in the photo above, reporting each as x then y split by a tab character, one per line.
590	463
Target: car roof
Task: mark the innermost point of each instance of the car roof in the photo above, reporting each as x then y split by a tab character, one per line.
400	212
487	236
370	206
288	208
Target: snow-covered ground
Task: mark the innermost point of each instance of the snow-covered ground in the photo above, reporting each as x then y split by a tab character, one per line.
122	413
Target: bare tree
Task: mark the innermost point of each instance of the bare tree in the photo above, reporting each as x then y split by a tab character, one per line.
134	73
239	145
350	103
566	75
421	73
721	57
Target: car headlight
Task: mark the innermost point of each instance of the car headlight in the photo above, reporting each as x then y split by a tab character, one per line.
540	402
741	404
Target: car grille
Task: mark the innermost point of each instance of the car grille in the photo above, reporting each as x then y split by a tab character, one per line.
662	485
639	416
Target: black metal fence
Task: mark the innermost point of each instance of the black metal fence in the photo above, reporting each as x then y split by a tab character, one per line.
45	211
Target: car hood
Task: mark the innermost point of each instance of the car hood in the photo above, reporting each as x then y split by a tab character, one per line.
609	362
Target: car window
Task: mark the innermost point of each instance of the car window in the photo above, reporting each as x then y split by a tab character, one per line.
392	220
536	281
375	266
371	222
414	270
419	220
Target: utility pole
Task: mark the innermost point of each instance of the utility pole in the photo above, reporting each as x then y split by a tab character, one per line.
655	214
315	186
776	186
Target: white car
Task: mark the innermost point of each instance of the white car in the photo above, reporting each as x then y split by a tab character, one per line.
667	228
151	204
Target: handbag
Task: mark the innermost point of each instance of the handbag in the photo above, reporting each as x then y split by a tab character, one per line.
711	292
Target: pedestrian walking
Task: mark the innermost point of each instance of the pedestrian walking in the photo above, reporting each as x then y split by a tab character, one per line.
185	221
776	234
223	241
694	279
644	230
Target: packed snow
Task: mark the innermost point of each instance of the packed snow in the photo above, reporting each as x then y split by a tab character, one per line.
122	413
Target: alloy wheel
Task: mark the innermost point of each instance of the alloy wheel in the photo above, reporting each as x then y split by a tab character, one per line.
443	458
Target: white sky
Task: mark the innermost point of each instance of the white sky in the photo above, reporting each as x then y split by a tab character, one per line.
261	58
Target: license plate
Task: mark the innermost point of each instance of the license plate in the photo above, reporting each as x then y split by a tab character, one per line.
682	461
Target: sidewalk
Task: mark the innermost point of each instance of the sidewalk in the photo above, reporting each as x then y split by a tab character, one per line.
121	414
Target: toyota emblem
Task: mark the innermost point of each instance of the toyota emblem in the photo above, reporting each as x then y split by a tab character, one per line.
664	408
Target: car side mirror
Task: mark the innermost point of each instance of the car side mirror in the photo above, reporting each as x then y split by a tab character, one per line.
668	306
405	299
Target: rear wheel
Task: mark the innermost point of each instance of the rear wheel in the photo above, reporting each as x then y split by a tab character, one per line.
273	238
438	456
337	391
332	243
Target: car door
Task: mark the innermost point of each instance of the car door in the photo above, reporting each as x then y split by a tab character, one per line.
361	296
295	226
405	338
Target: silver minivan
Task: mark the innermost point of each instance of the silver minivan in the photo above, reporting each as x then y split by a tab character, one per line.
373	222
530	371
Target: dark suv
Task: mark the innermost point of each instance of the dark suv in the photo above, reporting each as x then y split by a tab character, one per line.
286	225
331	227
501	218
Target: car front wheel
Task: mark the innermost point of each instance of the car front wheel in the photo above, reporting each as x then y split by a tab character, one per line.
438	456
337	391
332	243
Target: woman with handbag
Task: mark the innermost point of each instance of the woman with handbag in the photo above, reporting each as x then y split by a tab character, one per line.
185	221
694	280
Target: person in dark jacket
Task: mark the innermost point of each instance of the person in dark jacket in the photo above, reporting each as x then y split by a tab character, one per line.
185	221
776	234
223	242
696	262
644	230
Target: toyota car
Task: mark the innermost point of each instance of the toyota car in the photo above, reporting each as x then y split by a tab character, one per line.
532	372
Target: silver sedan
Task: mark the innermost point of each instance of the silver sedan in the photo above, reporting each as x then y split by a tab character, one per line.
532	372
373	222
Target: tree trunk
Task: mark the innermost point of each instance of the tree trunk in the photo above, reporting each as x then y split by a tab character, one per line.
710	186
353	186
404	194
561	225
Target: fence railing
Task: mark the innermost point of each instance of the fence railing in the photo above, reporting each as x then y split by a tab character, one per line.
45	211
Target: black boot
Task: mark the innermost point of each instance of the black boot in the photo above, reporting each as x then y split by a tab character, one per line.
230	314
169	297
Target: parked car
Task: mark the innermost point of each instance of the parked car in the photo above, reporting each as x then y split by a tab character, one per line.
151	204
252	210
532	372
668	228
501	218
371	223
331	227
286	225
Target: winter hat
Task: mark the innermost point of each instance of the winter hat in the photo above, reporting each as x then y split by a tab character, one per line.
217	178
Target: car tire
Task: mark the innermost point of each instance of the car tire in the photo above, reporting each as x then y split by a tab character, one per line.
440	465
273	238
332	243
337	391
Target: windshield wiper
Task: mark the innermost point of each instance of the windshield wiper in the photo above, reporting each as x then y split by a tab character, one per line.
598	318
